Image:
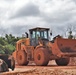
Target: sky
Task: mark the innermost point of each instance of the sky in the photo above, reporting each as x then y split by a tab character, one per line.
18	16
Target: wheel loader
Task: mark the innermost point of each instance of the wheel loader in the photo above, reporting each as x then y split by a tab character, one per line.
37	47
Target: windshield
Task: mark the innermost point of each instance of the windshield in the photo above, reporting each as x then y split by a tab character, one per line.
42	34
45	34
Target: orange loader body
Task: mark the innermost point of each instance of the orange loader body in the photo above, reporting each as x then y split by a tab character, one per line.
60	50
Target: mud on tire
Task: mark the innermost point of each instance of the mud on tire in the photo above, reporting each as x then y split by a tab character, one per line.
62	61
41	56
22	57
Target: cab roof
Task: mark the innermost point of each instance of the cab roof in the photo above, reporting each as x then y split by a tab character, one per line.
38	29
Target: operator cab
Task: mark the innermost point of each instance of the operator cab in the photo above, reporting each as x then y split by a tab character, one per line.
37	33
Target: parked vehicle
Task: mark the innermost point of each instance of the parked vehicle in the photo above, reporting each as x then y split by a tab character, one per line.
39	49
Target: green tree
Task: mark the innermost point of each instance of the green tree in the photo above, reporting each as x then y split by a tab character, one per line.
70	30
70	35
8	43
2	49
8	49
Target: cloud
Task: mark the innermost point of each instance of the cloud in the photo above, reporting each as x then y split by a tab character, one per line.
74	1
15	30
60	13
9	0
19	16
28	10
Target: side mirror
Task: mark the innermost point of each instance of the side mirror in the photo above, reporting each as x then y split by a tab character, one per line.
50	33
26	34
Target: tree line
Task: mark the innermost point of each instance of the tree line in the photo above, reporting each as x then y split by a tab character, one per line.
8	43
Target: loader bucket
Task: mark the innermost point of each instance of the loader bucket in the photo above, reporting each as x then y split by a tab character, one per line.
67	45
64	47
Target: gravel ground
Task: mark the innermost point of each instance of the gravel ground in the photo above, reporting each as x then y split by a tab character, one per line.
52	69
43	71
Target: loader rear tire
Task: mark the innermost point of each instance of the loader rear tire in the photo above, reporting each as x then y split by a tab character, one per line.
22	57
41	56
62	61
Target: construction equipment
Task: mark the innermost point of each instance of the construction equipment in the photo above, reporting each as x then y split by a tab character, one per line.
6	62
39	49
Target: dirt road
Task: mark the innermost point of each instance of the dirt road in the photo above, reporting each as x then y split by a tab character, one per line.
42	70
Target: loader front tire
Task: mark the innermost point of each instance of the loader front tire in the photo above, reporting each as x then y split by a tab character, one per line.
41	56
22	57
62	61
